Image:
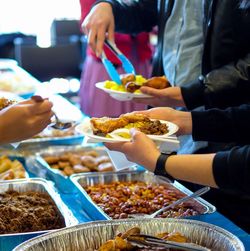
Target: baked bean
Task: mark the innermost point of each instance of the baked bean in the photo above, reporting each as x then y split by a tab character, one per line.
118	199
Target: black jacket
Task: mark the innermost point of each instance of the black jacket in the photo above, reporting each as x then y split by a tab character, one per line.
226	56
231	168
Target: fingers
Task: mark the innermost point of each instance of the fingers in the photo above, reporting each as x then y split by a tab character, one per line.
146	101
137	135
92	39
101	35
152	91
41	107
116	146
111	32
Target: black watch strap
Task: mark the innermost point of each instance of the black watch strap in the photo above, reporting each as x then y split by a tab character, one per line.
160	165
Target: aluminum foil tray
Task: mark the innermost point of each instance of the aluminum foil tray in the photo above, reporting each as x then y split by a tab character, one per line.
9	241
97	213
41	168
90	236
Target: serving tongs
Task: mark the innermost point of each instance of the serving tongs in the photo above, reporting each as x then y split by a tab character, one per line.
152	242
126	64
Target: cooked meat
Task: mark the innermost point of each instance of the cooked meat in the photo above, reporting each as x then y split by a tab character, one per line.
132	118
132	87
125	78
105	125
157	82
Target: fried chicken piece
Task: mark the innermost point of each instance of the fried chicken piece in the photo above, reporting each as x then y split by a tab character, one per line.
132	118
157	82
102	126
125	78
132	87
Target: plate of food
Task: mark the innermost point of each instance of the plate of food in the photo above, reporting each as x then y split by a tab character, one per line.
107	129
130	87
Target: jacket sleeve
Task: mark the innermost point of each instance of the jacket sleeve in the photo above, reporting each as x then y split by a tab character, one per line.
85	8
223	87
231	169
230	125
133	16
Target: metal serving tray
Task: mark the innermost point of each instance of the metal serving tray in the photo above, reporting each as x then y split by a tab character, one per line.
97	213
9	241
41	168
90	236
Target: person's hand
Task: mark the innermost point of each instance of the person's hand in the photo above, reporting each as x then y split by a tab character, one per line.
141	150
180	118
170	96
98	22
24	120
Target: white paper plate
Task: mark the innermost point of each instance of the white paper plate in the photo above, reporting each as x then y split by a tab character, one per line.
121	96
85	129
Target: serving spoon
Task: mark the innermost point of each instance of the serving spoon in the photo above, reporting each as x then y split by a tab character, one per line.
59	125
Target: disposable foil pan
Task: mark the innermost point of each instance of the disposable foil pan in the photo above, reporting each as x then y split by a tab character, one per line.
97	213
90	236
41	168
9	241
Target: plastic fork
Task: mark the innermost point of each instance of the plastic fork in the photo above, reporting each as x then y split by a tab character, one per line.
126	64
177	202
148	241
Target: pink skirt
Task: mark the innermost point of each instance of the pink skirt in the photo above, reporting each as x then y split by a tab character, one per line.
97	103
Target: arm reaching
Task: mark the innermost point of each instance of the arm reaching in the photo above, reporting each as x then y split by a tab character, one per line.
24	120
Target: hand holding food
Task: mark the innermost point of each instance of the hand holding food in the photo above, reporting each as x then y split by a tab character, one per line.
170	96
145	156
23	120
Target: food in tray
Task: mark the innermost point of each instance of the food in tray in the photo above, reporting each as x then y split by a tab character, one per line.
4	102
54	133
11	169
124	241
132	83
22	212
103	126
119	199
79	162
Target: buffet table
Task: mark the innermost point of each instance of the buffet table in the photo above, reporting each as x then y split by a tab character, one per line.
72	199
213	218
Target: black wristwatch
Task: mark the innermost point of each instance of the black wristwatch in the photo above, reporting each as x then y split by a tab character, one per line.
160	166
